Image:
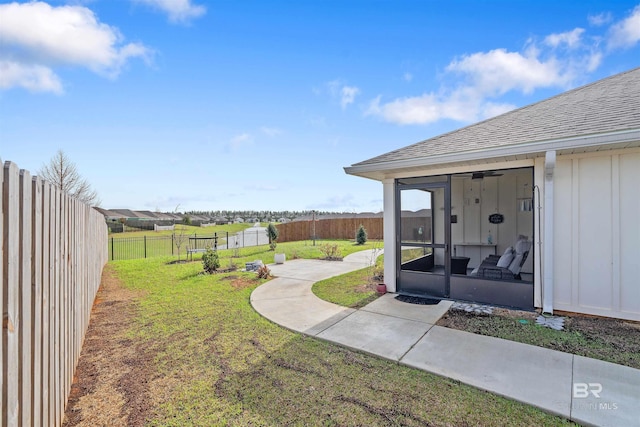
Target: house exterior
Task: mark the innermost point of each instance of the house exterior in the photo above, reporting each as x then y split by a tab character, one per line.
535	208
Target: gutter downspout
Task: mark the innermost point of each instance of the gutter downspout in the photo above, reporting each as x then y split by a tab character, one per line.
547	287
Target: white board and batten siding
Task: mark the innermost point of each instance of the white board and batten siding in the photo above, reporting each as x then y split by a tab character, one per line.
597	234
52	252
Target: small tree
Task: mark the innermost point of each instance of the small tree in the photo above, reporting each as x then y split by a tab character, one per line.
179	238
210	261
361	236
63	173
186	220
272	232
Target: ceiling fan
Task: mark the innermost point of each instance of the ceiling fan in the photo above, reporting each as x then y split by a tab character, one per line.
481	175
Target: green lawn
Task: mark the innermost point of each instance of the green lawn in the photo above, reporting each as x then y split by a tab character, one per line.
354	290
215	361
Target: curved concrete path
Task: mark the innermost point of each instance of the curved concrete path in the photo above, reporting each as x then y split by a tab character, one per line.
588	391
288	301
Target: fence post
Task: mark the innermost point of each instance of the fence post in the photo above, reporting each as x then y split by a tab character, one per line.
172	243
113	254
145	246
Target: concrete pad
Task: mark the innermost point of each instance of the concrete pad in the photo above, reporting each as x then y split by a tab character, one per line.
306	314
389	305
522	372
605	394
385	336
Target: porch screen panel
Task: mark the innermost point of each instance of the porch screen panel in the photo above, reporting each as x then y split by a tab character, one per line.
415	216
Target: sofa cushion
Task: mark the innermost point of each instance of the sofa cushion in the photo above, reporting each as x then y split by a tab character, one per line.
515	267
522	246
506	258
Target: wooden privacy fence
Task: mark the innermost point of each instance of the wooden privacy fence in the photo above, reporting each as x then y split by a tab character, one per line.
335	228
51	258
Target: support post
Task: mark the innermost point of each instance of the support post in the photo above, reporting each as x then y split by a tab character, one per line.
547	286
389	224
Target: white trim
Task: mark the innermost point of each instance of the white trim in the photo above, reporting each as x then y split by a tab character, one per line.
549	167
446	170
389	225
508	150
538	221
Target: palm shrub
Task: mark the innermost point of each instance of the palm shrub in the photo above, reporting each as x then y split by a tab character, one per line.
361	236
210	261
272	232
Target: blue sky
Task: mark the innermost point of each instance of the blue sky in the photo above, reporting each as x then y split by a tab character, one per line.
211	105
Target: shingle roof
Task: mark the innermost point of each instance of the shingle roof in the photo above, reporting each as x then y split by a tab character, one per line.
610	104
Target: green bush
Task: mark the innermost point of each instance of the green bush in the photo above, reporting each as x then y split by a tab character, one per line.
272	232
210	261
361	236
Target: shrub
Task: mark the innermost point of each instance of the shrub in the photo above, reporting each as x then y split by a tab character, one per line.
264	272
361	236
210	261
272	232
330	252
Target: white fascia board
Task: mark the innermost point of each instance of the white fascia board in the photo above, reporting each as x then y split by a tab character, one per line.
508	150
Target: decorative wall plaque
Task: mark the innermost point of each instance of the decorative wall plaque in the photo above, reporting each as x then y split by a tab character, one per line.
496	218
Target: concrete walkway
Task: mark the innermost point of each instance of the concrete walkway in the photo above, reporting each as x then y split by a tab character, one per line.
588	391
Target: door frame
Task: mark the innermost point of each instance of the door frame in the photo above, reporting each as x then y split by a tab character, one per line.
426	283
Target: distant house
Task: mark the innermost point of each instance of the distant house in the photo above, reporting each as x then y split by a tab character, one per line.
548	189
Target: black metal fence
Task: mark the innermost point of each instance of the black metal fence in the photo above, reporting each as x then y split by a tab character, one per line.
154	246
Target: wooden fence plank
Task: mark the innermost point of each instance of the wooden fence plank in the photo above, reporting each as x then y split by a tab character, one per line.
24	294
46	203
57	355
53	253
37	300
11	304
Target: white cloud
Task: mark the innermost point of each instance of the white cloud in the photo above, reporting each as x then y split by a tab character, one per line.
240	140
625	33
179	11
571	38
37	37
499	71
34	78
463	105
348	95
600	19
484	76
270	131
407	77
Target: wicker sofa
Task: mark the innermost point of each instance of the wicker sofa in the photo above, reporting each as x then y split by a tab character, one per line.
507	266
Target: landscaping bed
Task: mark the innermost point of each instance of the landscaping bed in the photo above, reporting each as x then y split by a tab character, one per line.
612	340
